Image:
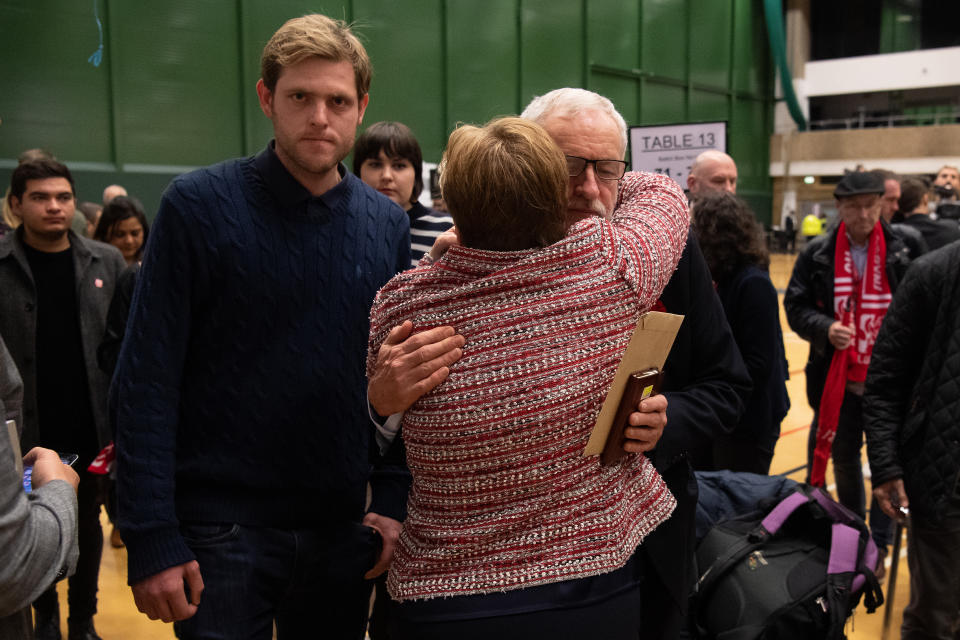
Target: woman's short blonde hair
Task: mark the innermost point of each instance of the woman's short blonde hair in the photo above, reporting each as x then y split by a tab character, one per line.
315	35
505	185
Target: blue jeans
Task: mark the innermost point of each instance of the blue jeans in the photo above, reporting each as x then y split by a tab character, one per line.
310	581
848	467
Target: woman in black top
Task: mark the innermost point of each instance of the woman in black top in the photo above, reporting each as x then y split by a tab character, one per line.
734	248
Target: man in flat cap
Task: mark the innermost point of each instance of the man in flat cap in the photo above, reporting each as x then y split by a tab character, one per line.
841	286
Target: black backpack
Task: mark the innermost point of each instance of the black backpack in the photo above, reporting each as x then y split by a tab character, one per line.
797	570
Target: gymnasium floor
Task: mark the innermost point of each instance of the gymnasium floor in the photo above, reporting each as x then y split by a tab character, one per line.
118	617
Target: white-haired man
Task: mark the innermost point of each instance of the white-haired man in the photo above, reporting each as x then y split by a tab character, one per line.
705	379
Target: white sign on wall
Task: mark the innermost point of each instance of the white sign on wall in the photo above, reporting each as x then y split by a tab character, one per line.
671	149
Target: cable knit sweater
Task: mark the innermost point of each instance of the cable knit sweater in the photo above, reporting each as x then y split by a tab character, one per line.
240	390
502	497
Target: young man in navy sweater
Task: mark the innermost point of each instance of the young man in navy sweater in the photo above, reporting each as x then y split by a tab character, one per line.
244	442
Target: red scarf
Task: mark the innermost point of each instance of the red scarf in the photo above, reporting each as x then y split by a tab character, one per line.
860	302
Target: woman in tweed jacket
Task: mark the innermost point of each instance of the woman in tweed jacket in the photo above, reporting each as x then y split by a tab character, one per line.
508	522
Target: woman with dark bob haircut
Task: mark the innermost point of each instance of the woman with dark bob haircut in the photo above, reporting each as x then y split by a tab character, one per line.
511	531
124	225
387	157
734	248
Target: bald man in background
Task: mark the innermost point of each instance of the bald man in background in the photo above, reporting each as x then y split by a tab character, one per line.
712	171
111	192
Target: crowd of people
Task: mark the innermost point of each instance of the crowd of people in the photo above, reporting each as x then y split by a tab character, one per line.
314	384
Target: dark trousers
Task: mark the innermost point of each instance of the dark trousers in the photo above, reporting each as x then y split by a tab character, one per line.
82	594
848	467
616	618
379	627
309	581
933	555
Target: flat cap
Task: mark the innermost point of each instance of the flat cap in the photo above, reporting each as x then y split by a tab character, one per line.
858	183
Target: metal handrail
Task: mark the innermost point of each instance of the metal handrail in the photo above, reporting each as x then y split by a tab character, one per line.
862	121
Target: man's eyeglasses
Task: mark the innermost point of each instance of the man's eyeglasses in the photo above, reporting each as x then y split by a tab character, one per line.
605	169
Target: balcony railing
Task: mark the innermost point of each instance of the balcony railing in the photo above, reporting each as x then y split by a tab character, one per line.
906	118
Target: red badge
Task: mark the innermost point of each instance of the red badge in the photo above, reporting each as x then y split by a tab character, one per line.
102	464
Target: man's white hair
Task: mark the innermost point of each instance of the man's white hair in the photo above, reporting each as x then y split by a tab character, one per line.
568	102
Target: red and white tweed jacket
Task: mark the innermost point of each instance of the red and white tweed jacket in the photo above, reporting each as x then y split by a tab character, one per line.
502	497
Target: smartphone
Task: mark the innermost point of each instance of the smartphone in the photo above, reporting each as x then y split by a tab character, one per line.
640	386
68	459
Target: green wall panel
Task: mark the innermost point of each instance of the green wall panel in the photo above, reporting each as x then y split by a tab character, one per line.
172	58
663	104
176	87
405	48
482	54
749	122
613	38
52	97
710	43
664	38
707	106
552	47
752	73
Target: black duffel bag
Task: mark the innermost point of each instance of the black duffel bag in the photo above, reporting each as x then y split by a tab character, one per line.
797	570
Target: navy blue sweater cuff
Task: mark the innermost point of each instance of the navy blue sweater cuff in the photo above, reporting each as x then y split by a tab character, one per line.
150	553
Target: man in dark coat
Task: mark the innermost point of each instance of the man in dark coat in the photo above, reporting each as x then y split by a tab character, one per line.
915	205
912	422
56	290
810	307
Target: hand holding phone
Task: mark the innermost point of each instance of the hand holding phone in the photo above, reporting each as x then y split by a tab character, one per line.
41	466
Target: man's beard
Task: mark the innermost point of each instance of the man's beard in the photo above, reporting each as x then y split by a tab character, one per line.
597	209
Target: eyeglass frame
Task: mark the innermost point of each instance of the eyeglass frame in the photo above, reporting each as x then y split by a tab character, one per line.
586	162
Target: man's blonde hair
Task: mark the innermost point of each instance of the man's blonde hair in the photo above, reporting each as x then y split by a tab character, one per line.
505	185
315	35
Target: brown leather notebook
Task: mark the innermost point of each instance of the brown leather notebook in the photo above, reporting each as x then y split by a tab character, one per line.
640	385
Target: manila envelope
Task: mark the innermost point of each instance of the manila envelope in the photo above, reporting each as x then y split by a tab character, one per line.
649	347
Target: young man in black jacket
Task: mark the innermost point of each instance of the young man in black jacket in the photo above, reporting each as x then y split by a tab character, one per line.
914	203
56	289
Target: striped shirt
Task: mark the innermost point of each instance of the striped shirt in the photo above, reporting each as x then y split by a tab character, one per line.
502	496
425	225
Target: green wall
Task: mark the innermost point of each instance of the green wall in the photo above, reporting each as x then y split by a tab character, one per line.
175	88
